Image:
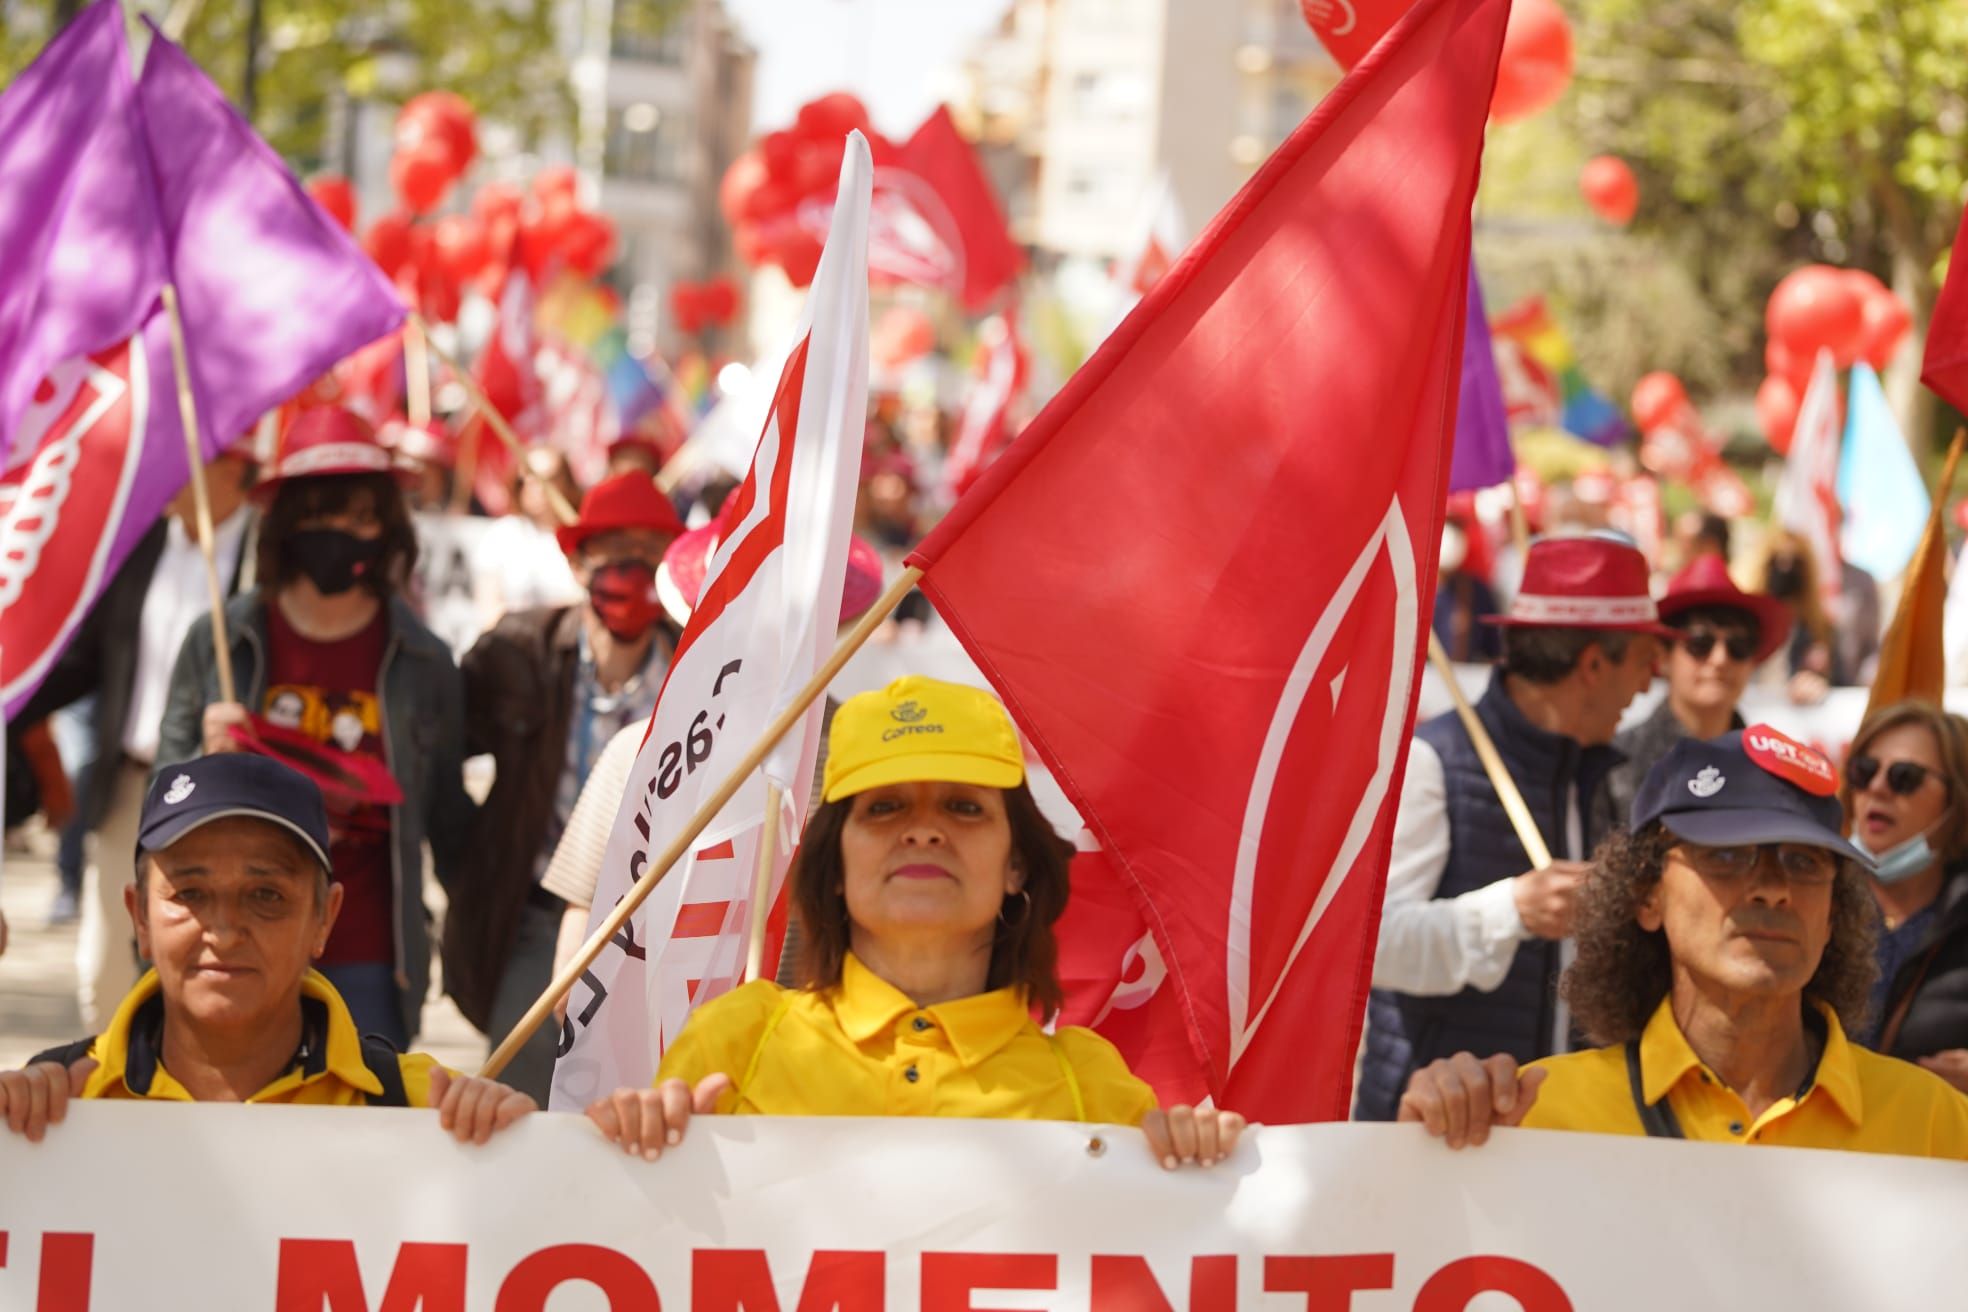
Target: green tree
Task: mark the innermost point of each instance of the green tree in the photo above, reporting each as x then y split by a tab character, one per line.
291	62
1770	132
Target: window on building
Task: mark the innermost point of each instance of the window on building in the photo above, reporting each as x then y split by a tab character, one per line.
653	30
645	145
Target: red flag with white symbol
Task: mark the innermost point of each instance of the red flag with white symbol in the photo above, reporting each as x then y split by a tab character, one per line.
1807	494
1201	580
765	621
985	429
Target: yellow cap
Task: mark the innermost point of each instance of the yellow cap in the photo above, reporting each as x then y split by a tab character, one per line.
921	729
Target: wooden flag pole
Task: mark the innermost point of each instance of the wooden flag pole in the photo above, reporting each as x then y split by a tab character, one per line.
1506	787
416	373
659	867
490	415
201	498
775	798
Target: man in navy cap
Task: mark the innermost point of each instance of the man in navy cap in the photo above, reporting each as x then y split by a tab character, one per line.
232	902
1724	952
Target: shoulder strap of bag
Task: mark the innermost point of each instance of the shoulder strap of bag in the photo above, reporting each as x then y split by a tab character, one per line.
1657	1119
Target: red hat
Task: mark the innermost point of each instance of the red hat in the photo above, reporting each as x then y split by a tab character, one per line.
1585	582
325	439
1706	582
680	578
626	501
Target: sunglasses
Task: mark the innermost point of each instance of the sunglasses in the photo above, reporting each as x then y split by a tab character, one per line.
1800	863
1902	777
1698	643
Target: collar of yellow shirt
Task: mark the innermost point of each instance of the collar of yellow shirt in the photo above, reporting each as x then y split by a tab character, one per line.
342	1063
1666	1060
865	1004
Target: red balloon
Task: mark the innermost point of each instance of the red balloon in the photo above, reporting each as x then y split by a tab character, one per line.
443	116
902	334
746	175
1816	308
421	174
1782	362
1777	403
589	243
388	243
497	200
778	150
556	183
332	192
687	306
1610	189
720	298
751	245
799	258
816	167
462	250
1885	321
1657	398
832	117
1536	65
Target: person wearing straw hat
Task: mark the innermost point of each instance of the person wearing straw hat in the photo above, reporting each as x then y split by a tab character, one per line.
1722	634
545	690
926	885
234	900
1725	956
335	673
1472	937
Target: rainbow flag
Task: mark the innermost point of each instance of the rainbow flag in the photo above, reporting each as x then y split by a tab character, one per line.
1543	386
588	319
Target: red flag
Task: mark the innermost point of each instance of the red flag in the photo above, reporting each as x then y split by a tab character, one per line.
938	173
1944	368
507	374
1201	578
985	429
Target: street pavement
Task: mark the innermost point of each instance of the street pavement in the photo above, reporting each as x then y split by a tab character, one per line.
37	971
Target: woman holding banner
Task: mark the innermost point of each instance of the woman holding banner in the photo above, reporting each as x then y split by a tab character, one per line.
1905	776
926	888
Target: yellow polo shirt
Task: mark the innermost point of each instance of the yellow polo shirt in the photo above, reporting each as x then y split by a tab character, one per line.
327	1070
1857	1100
865	1049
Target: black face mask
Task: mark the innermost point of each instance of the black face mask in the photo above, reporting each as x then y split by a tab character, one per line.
333	561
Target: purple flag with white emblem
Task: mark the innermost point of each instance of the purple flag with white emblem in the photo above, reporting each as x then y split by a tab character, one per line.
1482	455
141	184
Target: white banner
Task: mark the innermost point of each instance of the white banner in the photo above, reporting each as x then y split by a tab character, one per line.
301	1209
764	622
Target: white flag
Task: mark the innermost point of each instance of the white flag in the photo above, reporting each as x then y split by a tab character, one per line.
1807	494
764	623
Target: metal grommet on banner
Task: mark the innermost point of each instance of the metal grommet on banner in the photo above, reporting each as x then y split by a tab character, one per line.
1096	1147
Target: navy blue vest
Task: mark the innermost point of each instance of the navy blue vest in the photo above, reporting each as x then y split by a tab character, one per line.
1405	1032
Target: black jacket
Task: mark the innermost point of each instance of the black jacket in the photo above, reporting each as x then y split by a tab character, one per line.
101	658
1936	978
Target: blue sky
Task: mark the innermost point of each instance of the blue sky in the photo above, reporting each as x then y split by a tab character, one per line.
889	52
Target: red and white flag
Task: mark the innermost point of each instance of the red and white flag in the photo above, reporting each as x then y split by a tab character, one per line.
1160	236
764	623
985	429
1807	494
1201	579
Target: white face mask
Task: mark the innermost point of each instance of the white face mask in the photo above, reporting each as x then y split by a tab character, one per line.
1903	860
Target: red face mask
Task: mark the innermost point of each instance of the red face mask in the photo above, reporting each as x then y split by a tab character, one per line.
623	594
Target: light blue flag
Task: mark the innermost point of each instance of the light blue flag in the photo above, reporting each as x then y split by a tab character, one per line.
1880	489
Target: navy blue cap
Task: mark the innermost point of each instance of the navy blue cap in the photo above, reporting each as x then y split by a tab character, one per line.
193	793
1753	786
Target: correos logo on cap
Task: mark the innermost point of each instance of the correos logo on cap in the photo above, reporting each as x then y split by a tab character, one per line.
181	788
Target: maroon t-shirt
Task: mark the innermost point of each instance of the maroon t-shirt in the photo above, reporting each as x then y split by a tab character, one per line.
327	690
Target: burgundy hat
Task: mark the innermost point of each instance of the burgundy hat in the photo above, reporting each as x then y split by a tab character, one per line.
680	578
1584	582
1706	582
627	501
322	440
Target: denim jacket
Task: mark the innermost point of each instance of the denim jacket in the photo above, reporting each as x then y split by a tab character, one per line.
422	703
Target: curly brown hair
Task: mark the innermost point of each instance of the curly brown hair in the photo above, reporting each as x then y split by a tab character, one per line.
1025	952
1622	971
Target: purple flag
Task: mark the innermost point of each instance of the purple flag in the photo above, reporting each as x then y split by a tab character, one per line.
272	294
1482	455
80	258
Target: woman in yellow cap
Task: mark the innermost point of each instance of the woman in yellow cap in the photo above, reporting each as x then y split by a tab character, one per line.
926	886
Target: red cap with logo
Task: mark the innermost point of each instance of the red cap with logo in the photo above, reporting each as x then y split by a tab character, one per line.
627	501
323	440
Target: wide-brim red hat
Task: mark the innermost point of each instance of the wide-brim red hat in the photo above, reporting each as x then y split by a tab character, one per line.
324	440
1706	582
628	501
680	578
1591	581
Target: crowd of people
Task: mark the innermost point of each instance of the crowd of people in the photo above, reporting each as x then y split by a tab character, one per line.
1734	939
